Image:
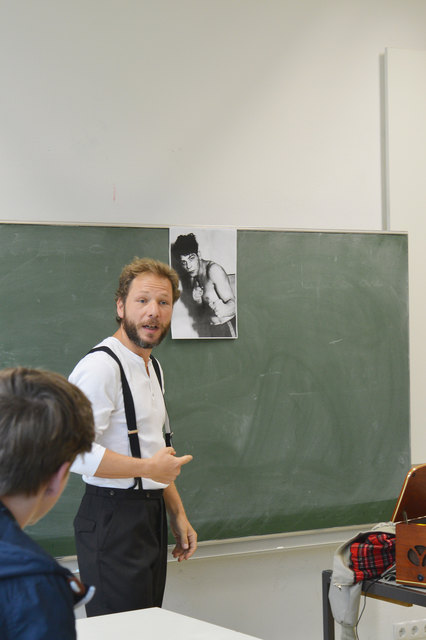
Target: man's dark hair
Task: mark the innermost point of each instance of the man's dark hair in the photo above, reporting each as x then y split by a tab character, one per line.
184	245
44	421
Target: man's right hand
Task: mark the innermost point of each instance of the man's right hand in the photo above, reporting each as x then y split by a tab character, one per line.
165	466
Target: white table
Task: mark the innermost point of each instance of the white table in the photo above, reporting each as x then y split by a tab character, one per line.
155	623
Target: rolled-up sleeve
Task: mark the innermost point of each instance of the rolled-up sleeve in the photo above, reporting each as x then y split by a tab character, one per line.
88	463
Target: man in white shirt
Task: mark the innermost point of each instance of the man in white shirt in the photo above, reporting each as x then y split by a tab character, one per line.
121	525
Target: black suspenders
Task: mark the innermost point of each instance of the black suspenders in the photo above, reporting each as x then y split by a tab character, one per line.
167	432
129	407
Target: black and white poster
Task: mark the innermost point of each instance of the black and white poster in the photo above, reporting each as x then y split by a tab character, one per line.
206	261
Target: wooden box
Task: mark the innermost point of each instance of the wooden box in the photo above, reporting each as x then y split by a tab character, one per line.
410	529
410	552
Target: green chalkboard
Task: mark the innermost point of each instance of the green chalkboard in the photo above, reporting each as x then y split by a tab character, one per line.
301	423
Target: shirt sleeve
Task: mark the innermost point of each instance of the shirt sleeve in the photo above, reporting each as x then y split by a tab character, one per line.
98	377
38	607
88	463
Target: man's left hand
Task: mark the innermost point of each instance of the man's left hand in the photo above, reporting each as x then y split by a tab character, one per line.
186	538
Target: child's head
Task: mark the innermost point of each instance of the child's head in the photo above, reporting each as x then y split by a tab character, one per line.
45	421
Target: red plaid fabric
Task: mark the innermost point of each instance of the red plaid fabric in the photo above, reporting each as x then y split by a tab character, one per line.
371	554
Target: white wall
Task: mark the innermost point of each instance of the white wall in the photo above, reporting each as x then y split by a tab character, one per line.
406	156
274	595
248	112
264	113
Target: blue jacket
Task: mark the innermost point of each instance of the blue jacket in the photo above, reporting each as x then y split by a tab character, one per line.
36	601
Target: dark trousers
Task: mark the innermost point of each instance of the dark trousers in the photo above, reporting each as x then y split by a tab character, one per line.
121	540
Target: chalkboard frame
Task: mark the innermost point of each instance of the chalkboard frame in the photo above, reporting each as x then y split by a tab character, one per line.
301	423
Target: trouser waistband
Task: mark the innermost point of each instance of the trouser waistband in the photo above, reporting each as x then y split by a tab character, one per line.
136	494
